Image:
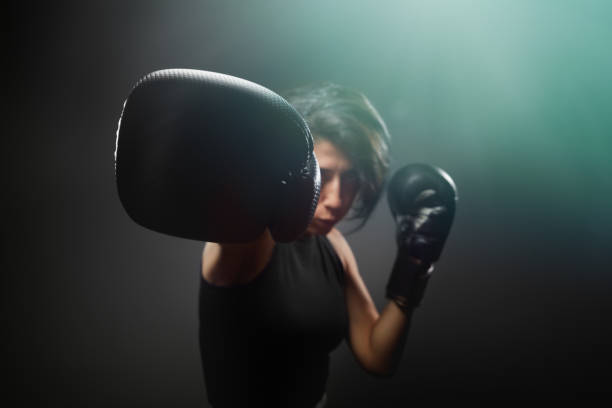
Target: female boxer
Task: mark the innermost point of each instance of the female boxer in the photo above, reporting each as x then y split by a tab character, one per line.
272	312
206	156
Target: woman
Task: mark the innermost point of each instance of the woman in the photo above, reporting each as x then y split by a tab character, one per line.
270	312
197	156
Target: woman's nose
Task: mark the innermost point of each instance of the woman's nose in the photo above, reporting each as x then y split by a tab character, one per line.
332	197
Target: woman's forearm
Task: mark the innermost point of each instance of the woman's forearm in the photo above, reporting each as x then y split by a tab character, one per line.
388	338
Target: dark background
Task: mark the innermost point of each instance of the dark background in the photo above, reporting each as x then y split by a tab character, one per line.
512	98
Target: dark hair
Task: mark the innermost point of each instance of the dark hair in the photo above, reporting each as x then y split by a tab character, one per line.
347	119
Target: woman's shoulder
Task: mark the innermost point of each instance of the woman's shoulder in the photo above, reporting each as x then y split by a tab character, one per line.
341	246
231	264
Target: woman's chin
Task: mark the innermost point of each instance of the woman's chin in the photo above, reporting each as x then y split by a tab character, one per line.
319	228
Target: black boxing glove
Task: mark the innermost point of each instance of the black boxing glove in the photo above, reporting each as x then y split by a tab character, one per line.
422	200
210	157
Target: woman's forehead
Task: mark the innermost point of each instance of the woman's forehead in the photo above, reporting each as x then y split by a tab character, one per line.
331	157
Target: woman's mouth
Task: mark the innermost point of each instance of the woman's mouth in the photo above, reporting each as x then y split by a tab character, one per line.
327	222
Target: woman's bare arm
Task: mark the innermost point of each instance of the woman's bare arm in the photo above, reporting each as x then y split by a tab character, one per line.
376	340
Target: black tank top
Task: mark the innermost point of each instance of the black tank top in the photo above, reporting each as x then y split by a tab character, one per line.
267	342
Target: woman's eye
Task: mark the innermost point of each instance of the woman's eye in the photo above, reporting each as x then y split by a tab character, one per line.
351	177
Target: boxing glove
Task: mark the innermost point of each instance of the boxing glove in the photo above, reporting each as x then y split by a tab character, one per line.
211	157
422	201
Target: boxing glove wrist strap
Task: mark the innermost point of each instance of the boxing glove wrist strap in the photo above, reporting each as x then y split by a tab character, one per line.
408	280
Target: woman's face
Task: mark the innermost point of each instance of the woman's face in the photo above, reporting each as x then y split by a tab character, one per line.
339	187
